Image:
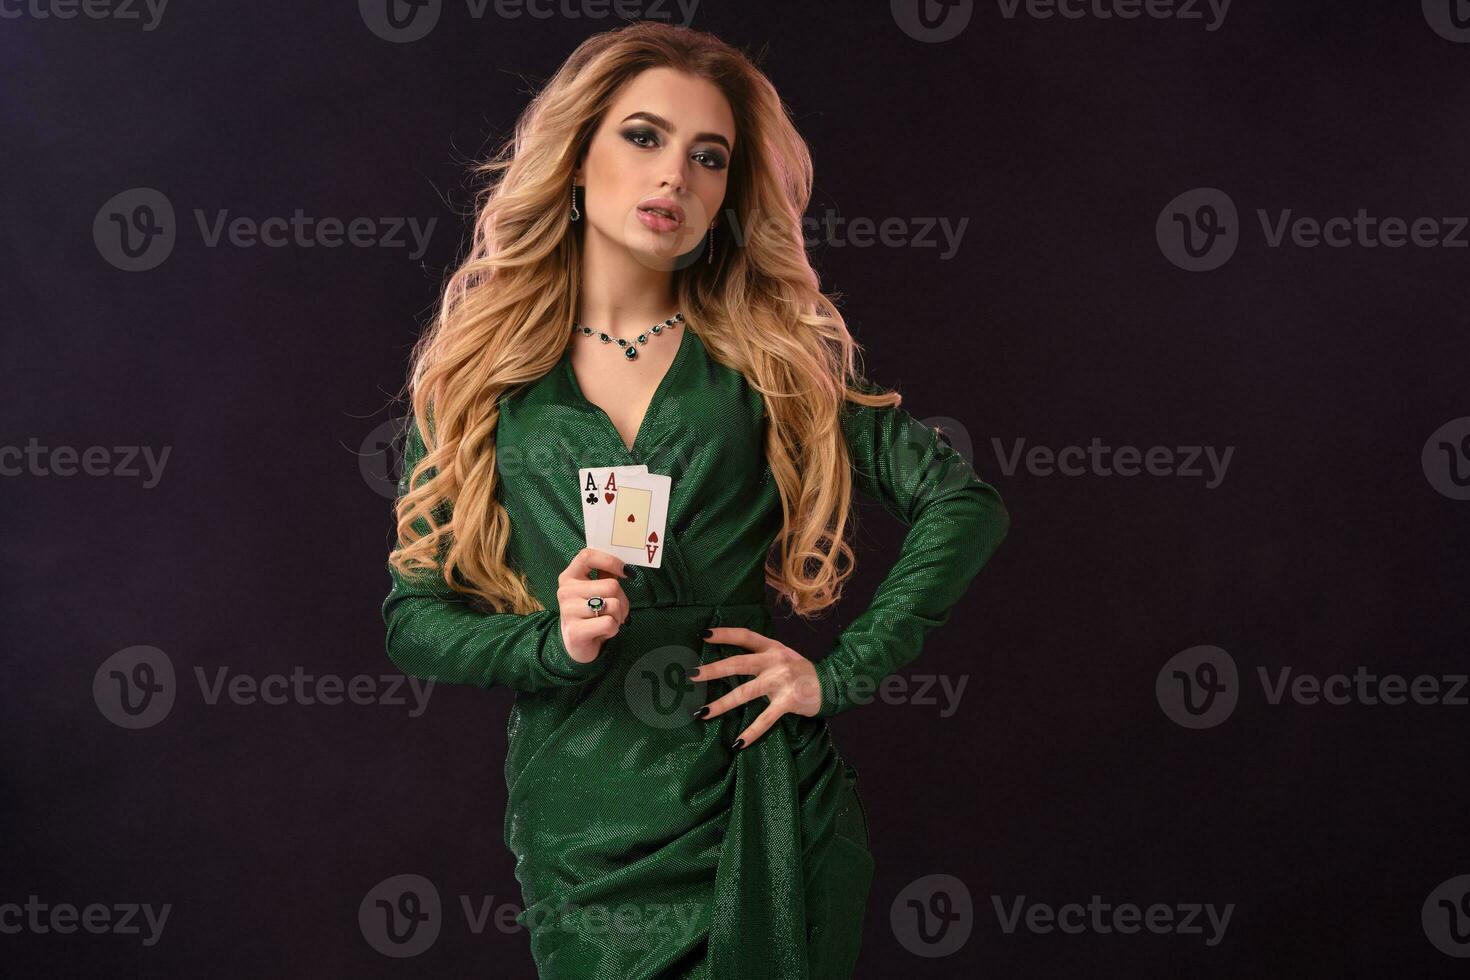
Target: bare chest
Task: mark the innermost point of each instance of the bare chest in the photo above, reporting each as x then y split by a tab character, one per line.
624	390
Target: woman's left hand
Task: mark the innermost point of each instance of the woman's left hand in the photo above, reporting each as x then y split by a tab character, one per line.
784	676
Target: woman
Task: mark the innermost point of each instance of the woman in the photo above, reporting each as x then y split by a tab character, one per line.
639	293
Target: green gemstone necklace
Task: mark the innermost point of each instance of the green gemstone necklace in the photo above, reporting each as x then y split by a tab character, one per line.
630	347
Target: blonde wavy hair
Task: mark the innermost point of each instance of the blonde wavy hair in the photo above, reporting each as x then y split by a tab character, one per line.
506	313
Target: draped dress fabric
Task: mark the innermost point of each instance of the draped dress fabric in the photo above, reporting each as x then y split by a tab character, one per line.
645	845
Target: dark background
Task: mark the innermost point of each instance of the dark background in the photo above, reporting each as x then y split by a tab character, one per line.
1060	319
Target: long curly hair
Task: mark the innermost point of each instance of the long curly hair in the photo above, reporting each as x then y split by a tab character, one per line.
506	312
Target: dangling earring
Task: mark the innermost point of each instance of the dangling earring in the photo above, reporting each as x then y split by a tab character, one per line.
709	257
576	215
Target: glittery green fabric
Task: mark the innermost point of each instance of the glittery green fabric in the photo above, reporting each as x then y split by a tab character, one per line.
645	846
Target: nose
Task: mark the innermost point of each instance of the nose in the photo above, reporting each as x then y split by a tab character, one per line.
676	175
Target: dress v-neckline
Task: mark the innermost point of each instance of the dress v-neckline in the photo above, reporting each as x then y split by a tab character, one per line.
653	403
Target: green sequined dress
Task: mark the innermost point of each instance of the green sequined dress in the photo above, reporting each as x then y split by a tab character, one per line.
645	846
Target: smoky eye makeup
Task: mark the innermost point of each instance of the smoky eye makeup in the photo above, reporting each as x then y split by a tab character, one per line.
644	137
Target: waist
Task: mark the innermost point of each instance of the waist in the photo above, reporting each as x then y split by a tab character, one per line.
696	615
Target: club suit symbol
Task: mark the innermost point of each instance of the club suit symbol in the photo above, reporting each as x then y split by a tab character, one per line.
1198	687
134	688
933	916
401	916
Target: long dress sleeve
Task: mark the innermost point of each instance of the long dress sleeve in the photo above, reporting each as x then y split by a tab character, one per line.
955	523
435	633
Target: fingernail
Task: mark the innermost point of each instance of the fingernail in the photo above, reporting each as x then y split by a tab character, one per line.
739	743
707	634
701	712
629	571
693	673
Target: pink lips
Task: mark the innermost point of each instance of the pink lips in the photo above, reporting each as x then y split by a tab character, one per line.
660	222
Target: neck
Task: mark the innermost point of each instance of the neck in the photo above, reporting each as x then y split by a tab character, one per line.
620	295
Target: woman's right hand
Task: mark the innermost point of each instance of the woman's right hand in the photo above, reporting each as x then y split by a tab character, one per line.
582	632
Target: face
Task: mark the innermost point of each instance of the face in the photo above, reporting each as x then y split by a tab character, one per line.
665	142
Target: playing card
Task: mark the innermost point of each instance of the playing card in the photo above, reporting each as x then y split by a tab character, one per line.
625	512
639	518
598	487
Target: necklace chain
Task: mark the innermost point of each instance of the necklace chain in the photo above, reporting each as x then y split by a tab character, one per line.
630	347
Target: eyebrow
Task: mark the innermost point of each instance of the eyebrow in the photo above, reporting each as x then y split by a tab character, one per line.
663	123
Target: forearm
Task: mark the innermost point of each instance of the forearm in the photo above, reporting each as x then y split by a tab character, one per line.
450	642
942	553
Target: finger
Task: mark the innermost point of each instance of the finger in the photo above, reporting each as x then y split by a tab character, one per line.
614	606
594	628
584	561
748	691
759	727
584	589
740	663
738	636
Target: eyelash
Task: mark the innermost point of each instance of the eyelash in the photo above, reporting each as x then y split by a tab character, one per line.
719	161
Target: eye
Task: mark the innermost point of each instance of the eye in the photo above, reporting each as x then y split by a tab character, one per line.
633	135
716	161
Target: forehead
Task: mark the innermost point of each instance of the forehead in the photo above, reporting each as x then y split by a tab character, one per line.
692	104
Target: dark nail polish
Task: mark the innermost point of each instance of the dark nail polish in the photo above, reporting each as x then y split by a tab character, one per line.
707	634
693	673
701	711
629	571
739	743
